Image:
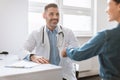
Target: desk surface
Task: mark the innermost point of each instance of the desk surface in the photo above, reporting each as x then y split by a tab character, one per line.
16	71
40	72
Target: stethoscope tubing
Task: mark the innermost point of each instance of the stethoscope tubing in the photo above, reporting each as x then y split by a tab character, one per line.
43	35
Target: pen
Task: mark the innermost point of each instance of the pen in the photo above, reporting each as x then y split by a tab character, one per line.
16	67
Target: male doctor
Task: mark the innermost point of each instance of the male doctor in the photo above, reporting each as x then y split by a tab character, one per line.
44	46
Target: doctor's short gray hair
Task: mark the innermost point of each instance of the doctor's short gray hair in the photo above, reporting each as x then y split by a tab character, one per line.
117	1
50	5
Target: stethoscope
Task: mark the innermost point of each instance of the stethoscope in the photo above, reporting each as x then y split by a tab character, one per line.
60	37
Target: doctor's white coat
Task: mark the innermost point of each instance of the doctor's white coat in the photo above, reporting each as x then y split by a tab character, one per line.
39	45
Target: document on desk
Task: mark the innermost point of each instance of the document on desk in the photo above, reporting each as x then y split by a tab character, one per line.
22	64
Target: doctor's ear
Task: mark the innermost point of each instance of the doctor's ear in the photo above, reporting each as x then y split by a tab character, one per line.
44	16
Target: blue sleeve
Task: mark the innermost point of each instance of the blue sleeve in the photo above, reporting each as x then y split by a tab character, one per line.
92	48
27	57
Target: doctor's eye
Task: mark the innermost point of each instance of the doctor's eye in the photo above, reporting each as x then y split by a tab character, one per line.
57	14
51	14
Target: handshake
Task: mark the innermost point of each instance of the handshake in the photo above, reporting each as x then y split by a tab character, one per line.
63	52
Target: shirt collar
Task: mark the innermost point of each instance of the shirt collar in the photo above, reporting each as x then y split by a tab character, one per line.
55	30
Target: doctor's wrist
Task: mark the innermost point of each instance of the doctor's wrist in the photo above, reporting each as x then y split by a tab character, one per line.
31	55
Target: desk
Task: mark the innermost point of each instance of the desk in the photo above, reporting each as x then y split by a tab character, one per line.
41	72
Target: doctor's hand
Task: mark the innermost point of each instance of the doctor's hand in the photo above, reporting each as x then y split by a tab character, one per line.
39	59
63	53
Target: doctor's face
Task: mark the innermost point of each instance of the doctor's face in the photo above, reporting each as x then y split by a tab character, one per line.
113	10
51	15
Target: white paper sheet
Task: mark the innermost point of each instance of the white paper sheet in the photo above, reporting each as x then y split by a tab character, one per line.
22	64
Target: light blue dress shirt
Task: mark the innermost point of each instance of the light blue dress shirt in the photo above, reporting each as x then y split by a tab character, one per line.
54	53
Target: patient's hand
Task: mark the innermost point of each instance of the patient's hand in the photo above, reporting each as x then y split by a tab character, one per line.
63	53
39	59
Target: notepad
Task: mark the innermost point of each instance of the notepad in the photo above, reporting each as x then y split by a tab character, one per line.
22	64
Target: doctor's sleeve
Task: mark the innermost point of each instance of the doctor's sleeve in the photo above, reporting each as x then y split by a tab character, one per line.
73	42
30	43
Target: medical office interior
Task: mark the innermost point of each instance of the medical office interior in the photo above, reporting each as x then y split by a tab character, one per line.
15	25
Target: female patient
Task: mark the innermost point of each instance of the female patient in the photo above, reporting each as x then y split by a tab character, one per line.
105	44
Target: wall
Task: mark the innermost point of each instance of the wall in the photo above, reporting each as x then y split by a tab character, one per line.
13	25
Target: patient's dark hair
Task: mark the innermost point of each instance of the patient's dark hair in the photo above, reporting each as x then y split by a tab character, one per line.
50	5
117	1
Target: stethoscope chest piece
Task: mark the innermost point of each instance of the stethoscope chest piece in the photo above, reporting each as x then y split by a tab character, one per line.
60	39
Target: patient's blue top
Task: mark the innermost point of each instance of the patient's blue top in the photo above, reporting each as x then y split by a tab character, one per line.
106	44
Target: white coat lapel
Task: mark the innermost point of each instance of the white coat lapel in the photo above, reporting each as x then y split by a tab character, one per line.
60	37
